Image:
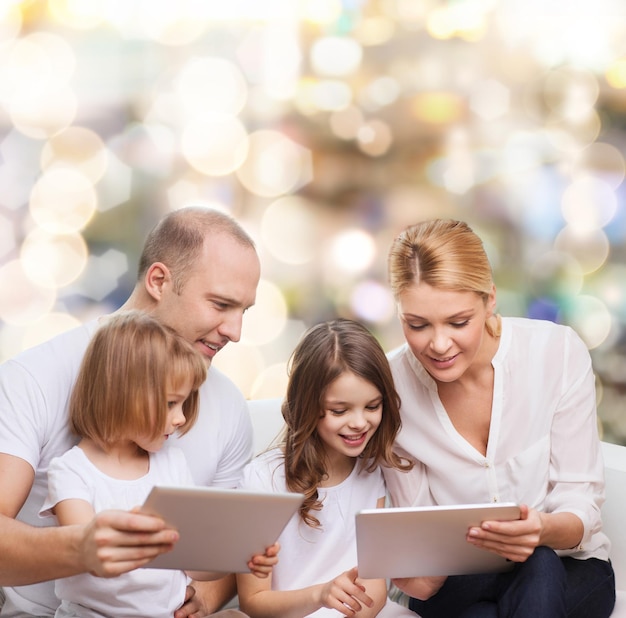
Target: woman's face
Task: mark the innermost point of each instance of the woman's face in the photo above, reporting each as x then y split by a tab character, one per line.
444	328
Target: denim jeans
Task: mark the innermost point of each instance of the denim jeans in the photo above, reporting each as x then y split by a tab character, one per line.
545	586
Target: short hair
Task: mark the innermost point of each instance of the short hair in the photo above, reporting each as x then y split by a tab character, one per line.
121	389
178	238
443	253
325	352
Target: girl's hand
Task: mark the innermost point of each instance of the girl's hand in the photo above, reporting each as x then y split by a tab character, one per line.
261	565
344	594
515	540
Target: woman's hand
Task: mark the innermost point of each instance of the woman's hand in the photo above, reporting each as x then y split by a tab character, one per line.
515	540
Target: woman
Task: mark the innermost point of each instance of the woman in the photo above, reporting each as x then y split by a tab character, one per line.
496	409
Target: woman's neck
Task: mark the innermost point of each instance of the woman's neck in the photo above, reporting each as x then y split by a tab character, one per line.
124	460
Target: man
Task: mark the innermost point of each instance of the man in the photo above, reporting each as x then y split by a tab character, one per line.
198	273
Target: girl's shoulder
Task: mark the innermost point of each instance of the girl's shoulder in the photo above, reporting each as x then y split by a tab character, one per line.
265	472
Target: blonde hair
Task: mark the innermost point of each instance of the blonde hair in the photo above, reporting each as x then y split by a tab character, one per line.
445	254
121	389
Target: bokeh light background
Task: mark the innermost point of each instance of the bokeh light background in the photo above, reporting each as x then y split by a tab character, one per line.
325	127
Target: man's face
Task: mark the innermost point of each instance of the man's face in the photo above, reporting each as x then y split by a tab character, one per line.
217	291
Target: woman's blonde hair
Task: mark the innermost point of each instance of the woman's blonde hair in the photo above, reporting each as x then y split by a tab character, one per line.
326	351
121	389
445	254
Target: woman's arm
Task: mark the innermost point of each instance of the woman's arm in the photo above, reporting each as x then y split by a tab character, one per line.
345	593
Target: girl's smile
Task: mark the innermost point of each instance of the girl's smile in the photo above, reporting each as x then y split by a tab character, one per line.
352	413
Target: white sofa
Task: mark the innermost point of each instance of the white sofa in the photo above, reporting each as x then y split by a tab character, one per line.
267	422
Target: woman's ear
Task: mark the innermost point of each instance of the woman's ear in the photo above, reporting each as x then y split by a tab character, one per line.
156	277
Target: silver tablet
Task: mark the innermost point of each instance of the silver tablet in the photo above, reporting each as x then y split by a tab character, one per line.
220	529
420	541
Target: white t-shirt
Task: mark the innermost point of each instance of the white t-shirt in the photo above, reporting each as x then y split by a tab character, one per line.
543	447
142	592
35	387
310	556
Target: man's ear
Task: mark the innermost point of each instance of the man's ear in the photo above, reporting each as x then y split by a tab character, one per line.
157	276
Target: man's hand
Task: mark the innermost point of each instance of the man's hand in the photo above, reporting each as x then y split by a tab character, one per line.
115	542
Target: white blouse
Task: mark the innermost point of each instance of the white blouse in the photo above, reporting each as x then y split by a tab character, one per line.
543	447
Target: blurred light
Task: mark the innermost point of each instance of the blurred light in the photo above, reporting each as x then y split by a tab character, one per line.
589	248
215	144
211	85
610	285
588	204
374	30
170	23
188	191
353	251
465	19
490	99
616	73
590	318
19	158
321	12
572	138
603	161
266	319
372	302
53	261
271	382
571	94
10	22
275	164
329	95
335	56
79	14
102	274
438	107
289	230
37	64
242	363
22	301
79	148
62	201
381	92
7	236
114	188
374	138
48	326
345	123
555	275
42	119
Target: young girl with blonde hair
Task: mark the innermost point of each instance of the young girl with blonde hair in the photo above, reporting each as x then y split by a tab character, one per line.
137	386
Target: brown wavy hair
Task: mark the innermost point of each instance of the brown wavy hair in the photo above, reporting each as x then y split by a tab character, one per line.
325	352
121	389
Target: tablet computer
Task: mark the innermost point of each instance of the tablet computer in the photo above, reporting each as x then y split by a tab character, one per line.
220	529
419	541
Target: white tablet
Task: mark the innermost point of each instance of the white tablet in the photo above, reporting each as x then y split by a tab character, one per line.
419	541
220	529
